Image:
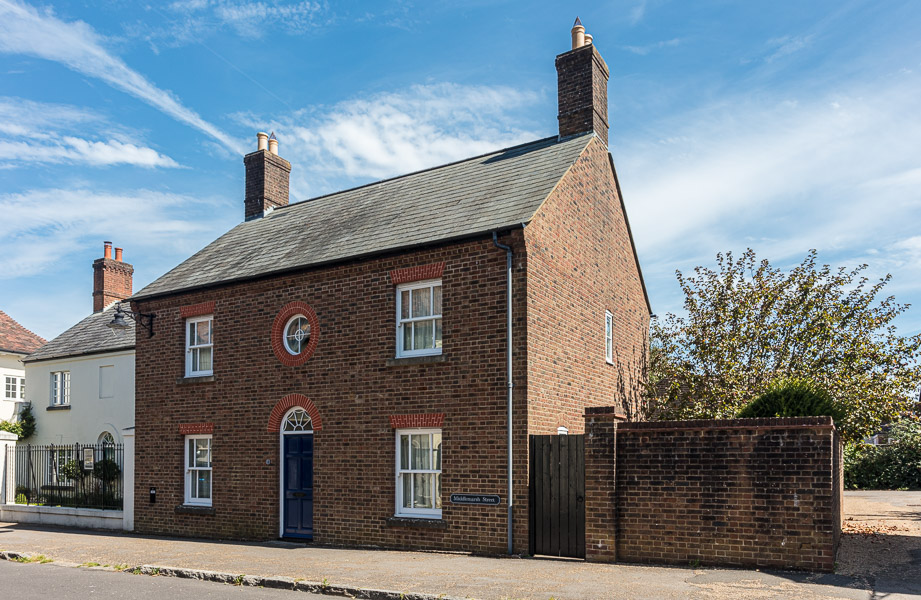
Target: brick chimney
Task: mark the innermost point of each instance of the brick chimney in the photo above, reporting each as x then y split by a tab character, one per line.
266	178
111	278
582	87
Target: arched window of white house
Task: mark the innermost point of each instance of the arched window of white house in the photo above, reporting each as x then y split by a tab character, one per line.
297	420
106	445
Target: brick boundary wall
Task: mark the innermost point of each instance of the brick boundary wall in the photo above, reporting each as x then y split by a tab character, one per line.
741	492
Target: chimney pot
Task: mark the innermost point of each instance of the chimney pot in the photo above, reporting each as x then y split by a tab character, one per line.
588	39
112	280
107	249
262	141
267	176
578	34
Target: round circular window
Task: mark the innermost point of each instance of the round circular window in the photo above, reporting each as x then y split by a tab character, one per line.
295	334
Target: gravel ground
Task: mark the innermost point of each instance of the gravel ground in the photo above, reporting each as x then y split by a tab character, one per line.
881	538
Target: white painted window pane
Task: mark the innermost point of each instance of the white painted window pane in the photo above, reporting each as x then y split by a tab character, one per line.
437	490
404	452
436	450
204	359
436	303
404	304
408	336
422	451
423	336
203	332
191	334
202	452
422	302
438	333
407	491
22	388
203	479
422	490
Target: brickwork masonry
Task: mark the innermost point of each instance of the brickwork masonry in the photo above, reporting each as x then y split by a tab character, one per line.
744	492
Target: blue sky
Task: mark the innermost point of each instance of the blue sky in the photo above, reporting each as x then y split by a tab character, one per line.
783	126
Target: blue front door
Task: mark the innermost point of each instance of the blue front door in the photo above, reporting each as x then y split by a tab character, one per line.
297	486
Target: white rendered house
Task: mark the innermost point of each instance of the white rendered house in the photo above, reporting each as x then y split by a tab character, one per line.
81	383
16	342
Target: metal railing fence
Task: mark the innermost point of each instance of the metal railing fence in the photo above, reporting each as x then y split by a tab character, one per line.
77	475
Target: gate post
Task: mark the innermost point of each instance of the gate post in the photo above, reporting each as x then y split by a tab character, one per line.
600	492
7	467
128	479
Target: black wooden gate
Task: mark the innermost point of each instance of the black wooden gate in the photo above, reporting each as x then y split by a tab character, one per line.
557	496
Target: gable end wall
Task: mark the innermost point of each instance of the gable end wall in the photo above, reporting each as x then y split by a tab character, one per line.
581	263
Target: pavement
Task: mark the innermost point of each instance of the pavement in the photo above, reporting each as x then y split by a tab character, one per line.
880	557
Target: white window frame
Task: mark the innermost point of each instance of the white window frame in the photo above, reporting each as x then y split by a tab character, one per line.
189	470
426	513
22	388
284	335
401	322
191	348
609	337
60	388
11	393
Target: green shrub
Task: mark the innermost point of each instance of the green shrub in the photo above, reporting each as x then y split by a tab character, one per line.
24	427
892	467
792	398
73	470
27	421
11	428
106	470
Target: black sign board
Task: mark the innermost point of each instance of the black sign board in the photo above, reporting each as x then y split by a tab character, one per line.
474	499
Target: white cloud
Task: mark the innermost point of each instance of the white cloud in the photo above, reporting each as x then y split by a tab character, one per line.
839	172
786	45
644	50
55	133
189	21
25	30
42	226
638	12
395	133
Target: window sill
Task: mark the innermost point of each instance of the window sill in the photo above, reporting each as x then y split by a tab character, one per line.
190	509
416	522
416	360
59	407
195	379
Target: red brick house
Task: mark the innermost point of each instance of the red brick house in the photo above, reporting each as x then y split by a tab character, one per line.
338	369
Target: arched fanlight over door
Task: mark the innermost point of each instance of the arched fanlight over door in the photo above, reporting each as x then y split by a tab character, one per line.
297	420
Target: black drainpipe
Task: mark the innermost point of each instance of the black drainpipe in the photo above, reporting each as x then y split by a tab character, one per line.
508	314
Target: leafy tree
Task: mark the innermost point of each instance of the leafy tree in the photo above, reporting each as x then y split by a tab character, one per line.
748	323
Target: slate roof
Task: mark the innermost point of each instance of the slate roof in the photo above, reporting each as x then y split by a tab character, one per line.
89	336
473	196
15	338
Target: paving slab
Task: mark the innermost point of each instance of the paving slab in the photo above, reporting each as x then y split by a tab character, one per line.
460	575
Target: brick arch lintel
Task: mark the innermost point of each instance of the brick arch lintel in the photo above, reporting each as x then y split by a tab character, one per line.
289	402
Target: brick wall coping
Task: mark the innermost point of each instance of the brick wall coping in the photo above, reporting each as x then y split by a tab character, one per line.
698	425
604	411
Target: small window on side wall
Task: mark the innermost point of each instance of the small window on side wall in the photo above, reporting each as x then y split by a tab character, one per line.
609	337
419	318
199	347
60	388
198	470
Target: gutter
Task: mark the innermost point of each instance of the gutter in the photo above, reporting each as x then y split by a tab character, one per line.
508	325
